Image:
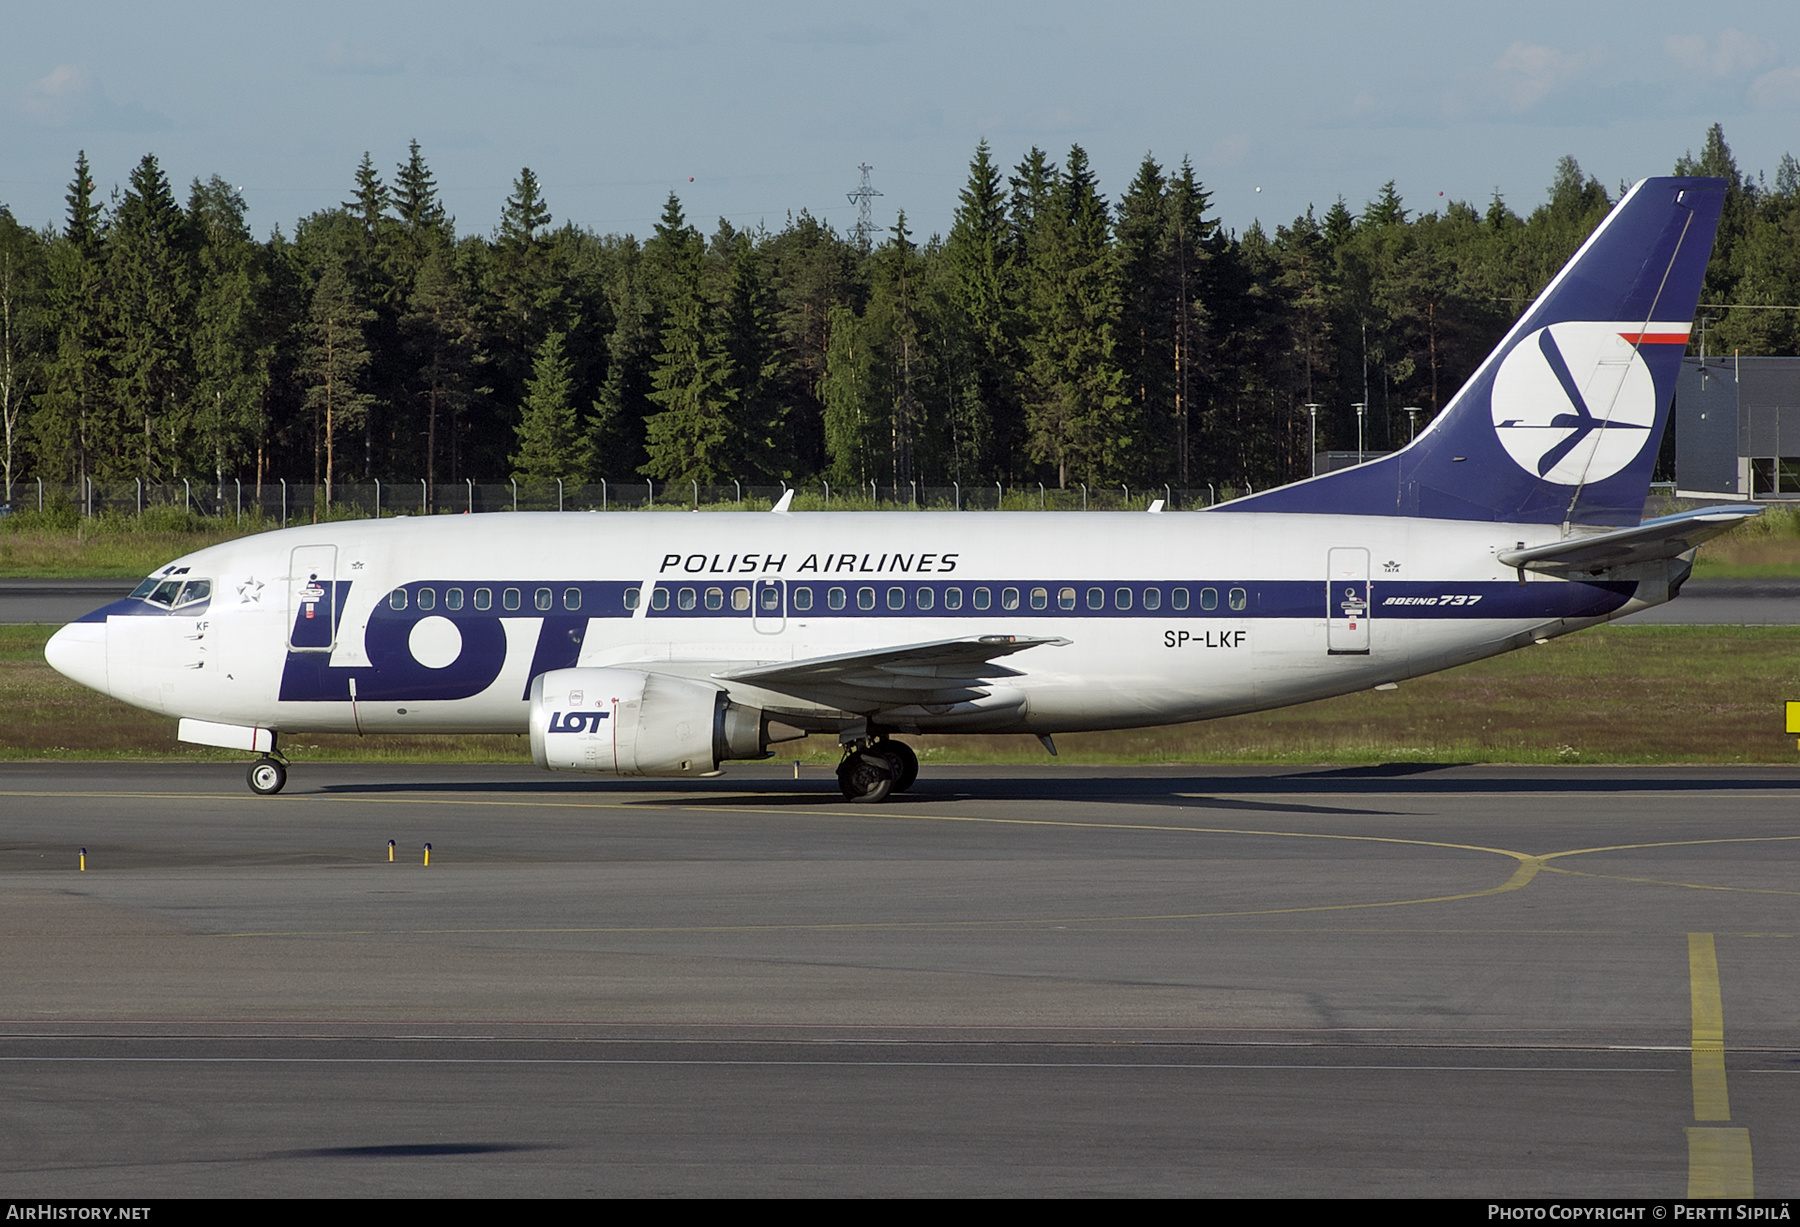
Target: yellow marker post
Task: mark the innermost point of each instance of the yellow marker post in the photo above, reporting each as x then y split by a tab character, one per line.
1793	718
428	856
390	852
83	861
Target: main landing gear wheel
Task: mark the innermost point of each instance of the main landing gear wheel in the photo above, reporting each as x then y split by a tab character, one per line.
906	764
267	776
867	776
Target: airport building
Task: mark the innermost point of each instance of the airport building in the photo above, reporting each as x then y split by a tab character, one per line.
1737	428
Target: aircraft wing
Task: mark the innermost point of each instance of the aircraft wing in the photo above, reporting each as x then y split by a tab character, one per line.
1664	537
944	671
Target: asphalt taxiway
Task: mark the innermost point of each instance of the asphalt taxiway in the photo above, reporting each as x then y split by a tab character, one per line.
1476	981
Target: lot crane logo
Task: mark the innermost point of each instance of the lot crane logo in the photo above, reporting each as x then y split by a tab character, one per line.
1575	402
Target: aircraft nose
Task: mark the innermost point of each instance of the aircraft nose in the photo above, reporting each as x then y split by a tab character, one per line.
78	652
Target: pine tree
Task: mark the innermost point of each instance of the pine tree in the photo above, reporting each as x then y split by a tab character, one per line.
1076	403
150	276
22	288
987	425
689	438
415	200
852	425
74	377
523	285
1190	242
759	450
1146	320
617	422
229	344
443	354
552	445
337	361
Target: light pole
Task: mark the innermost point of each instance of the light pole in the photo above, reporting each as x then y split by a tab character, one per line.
1361	408
1312	440
1412	421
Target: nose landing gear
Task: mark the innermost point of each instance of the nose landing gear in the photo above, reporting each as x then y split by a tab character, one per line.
873	769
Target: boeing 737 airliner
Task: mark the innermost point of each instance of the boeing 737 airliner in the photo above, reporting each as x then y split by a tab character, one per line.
659	645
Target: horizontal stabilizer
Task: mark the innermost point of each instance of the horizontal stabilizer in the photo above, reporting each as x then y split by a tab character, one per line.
1664	537
941	672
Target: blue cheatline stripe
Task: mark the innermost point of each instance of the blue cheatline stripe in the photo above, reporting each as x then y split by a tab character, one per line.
393	675
1410	599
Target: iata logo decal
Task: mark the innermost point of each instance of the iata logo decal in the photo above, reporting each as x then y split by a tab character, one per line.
1575	402
576	721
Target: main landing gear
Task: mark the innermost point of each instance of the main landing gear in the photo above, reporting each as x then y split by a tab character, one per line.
267	776
873	769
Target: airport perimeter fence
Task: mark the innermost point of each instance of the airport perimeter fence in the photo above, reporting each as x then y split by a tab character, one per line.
282	502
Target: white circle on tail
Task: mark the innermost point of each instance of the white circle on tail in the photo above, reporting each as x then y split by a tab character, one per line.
1574	402
435	642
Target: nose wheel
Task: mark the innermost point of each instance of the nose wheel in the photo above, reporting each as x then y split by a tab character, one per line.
267	776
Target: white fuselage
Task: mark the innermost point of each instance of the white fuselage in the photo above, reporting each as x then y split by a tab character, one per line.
1168	617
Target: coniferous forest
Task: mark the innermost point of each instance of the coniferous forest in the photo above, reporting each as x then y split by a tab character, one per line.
1054	335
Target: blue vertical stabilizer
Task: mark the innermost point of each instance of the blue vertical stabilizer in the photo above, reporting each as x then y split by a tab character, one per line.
1562	422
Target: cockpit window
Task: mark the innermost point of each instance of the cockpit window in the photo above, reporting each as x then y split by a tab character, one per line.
146	588
165	593
194	590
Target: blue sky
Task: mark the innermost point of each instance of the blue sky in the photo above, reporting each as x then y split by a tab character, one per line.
751	111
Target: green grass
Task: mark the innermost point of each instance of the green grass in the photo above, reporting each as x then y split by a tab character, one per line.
1632	694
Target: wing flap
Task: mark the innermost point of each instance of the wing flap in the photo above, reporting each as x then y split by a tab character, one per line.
940	672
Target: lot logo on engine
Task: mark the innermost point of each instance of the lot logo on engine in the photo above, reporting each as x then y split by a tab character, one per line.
576	721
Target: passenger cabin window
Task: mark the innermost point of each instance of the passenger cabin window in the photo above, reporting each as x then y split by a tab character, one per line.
397	599
740	598
924	597
1153	598
896	598
865	598
1122	598
802	597
1178	599
453	598
715	598
633	597
983	598
510	598
571	598
1040	598
1096	598
1009	598
769	598
1237	598
953	598
659	599
484	598
835	598
684	599
1209	598
428	598
1065	598
542	598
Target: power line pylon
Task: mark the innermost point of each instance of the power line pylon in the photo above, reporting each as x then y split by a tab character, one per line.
865	221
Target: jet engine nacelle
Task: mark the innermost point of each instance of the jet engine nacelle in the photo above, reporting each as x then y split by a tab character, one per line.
628	722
